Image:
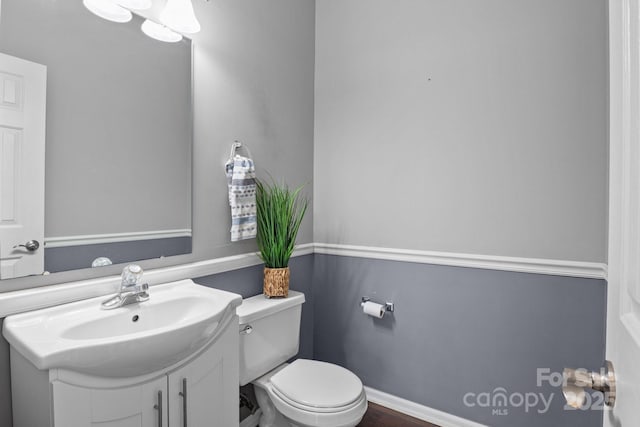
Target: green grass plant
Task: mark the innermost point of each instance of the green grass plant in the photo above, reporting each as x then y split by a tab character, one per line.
280	212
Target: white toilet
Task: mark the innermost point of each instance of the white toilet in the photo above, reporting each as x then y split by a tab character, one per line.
304	393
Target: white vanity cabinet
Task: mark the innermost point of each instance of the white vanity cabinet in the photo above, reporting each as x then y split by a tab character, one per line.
139	405
201	391
197	397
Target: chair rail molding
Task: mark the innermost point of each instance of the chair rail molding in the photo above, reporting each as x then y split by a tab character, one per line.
589	270
46	296
93	239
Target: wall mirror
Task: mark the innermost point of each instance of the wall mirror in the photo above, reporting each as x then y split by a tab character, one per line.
118	139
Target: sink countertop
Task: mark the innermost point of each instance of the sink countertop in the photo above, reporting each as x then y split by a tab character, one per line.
178	319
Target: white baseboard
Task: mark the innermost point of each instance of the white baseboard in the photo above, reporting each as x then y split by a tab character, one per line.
416	410
590	270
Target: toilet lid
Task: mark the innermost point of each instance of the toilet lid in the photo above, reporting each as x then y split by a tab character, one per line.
317	384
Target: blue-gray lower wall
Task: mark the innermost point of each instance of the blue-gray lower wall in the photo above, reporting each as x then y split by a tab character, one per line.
455	331
461	330
75	257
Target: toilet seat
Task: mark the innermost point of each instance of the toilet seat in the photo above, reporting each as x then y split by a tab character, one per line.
312	385
302	393
313	409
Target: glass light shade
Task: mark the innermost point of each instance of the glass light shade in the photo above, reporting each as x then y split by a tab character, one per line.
179	16
108	10
135	4
160	32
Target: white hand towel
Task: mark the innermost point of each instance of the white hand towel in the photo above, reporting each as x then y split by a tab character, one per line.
241	178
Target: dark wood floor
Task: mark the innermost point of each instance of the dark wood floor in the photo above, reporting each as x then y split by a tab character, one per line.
379	416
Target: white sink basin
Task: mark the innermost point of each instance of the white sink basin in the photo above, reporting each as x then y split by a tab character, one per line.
178	319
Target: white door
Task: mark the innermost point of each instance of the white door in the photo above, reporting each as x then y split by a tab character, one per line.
623	300
22	136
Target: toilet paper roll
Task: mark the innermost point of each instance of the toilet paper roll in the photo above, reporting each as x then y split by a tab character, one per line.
373	309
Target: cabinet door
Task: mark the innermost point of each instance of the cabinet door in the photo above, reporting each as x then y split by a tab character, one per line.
204	393
137	406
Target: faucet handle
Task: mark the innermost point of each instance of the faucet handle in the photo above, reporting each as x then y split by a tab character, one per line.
141	288
141	291
131	275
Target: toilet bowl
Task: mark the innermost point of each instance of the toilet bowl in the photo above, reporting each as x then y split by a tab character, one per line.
303	393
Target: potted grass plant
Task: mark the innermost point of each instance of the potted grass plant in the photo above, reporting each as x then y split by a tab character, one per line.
279	214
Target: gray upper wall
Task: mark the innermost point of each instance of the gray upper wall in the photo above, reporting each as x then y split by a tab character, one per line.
462	126
253	66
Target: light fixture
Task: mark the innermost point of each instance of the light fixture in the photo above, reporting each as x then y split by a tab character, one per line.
135	4
108	10
176	18
179	16
160	32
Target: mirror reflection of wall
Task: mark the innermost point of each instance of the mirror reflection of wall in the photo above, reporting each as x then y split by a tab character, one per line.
118	133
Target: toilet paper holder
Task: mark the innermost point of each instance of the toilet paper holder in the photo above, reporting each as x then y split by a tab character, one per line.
388	306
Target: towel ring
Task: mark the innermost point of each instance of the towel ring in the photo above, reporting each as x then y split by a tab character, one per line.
235	146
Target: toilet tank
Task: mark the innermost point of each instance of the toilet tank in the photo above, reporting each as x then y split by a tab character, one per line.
269	333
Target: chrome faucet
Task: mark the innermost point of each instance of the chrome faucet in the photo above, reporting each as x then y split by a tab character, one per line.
131	290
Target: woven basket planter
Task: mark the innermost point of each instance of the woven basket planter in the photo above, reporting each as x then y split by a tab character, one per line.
276	282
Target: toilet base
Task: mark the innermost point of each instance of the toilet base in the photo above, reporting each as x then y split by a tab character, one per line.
270	416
